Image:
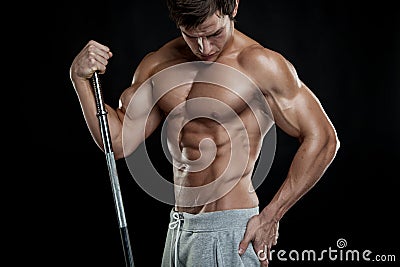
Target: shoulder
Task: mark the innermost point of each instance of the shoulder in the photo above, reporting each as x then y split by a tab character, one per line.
269	69
151	63
157	60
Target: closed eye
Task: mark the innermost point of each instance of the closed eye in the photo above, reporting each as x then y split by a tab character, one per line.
218	32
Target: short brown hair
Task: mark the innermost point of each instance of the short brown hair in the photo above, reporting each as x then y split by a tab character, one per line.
191	13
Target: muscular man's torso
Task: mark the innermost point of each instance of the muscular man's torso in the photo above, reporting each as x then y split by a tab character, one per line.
214	132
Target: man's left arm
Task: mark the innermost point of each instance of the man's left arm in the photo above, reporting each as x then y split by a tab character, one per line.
298	112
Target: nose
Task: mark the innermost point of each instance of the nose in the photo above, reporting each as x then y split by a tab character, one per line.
204	45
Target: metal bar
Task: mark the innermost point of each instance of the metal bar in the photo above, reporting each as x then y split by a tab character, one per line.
112	170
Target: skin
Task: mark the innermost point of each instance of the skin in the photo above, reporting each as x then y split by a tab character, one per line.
295	109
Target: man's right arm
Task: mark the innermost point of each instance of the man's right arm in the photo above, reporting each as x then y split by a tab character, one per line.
142	116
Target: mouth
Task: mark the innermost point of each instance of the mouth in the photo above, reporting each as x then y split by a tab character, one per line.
207	57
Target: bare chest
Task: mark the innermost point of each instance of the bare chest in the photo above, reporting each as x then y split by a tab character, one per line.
218	93
202	101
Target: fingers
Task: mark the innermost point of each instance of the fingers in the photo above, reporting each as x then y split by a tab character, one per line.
274	239
97	56
263	255
99	46
244	244
262	236
262	245
248	235
93	57
275	235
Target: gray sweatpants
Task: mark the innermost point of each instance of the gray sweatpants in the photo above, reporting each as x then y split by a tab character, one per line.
208	239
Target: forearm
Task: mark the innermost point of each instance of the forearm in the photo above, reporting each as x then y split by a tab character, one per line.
309	164
87	101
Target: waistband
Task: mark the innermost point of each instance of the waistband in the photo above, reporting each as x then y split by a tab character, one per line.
213	221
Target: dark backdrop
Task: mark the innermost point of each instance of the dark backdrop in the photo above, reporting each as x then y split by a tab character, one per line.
347	52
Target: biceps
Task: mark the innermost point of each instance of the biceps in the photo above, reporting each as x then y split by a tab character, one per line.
140	117
152	121
136	129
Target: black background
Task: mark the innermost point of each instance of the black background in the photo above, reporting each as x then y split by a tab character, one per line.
347	52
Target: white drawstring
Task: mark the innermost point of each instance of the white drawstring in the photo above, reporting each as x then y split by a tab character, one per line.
172	225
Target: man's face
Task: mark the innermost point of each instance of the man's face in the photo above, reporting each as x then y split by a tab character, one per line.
209	38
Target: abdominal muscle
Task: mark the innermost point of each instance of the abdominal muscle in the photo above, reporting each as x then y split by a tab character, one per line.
213	170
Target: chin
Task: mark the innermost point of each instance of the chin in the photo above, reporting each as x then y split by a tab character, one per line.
208	58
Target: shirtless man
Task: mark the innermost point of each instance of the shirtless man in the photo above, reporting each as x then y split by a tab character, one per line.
208	125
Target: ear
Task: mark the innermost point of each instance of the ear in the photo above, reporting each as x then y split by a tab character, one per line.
235	10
